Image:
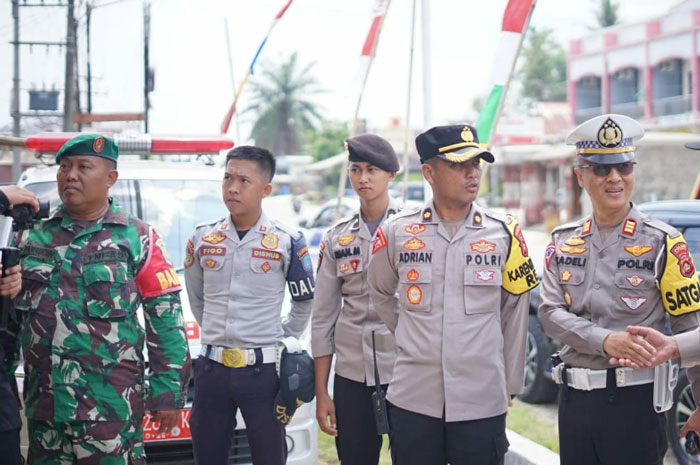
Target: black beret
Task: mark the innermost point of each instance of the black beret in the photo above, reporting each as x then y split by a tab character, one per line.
456	143
373	150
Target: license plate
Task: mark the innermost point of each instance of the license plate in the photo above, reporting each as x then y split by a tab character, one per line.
179	431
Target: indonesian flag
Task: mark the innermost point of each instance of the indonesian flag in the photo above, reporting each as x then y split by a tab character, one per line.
515	20
378	13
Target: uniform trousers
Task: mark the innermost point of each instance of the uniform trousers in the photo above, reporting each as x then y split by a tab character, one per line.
219	392
357	442
9	447
418	439
610	426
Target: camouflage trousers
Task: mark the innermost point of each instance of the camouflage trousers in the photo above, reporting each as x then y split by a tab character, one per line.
86	442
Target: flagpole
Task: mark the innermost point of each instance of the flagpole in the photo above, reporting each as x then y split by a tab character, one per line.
407	129
230	70
229	115
355	122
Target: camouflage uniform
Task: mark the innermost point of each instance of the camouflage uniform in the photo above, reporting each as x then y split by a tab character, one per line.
82	341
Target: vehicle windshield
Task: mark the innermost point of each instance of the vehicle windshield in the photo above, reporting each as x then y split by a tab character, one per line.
172	207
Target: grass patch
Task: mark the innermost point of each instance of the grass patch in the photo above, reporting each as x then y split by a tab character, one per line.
327	453
523	420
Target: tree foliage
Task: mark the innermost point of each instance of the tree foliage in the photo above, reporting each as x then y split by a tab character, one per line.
607	14
328	141
280	100
543	67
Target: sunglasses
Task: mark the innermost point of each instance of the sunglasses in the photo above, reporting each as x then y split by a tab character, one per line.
623	169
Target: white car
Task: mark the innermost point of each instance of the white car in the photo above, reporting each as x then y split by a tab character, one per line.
174	197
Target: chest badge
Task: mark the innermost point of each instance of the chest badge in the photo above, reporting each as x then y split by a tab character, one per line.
573	250
214	238
566	276
210	263
269	241
189	254
415	228
680	251
575	240
568	299
266	267
635	280
414	244
346	240
412	275
482	246
485	275
639	250
414	294
633	303
354	263
343	268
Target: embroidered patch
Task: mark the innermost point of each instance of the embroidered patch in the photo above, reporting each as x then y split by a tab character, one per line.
567	298
680	251
266	267
266	254
587	227
639	250
269	241
635	280
482	246
189	254
305	259
223	226
263	228
354	263
413	244
575	240
210	263
566	275
343	268
414	294
379	241
346	240
549	253
629	227
412	275
573	250
633	303
484	275
214	238
98	144
212	251
415	228
518	233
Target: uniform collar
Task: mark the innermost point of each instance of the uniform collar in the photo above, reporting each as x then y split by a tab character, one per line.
262	226
113	215
357	222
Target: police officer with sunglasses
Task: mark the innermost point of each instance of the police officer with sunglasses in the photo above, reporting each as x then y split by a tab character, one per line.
615	268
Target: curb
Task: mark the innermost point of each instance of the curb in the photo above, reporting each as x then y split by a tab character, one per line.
523	451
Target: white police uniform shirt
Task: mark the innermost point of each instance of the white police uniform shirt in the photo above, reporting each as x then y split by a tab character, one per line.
236	286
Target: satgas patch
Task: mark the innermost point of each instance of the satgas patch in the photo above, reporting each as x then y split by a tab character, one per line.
484	275
205	250
189	254
346	240
638	250
266	254
414	228
574	241
680	289
519	275
379	241
414	294
633	303
269	241
214	238
572	250
482	246
414	244
157	276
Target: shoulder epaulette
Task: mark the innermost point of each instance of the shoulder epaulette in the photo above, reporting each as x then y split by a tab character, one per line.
502	217
660	225
344	220
572	225
293	232
210	222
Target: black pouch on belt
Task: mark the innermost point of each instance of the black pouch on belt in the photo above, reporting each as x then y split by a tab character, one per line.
381	416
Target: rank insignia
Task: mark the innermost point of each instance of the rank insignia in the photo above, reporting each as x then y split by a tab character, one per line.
412	275
223	226
214	238
269	241
482	246
189	254
354	263
427	215
565	275
210	263
379	241
263	228
413	244
633	303
484	275
414	294
549	253
573	250
519	236
680	251
343	268
567	298
477	219
346	240
629	227
635	280
415	228
575	240
266	267
587	227
639	250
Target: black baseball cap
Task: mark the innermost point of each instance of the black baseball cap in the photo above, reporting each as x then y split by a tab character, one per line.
296	384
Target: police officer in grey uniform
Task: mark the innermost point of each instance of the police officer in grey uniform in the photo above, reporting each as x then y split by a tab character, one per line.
235	269
615	268
343	317
451	281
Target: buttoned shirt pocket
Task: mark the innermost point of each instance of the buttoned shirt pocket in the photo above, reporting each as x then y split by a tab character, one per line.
108	290
350	269
633	290
568	277
482	289
262	266
36	274
415	288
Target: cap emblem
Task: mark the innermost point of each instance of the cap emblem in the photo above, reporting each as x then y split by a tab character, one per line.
98	144
609	134
467	135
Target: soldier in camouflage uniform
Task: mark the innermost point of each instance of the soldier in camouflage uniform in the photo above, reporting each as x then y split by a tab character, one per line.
86	269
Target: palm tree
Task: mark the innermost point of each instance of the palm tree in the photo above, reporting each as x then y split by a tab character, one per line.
283	111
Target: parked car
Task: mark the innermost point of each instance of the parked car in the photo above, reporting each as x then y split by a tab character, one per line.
684	215
174	197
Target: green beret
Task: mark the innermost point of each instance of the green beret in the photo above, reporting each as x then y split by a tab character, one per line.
89	144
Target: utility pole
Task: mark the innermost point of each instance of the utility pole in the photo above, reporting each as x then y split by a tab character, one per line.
88	14
147	78
69	93
16	154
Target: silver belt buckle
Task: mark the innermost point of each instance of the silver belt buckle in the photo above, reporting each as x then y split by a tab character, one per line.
580	379
557	373
620	378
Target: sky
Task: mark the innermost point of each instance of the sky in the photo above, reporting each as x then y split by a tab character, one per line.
193	84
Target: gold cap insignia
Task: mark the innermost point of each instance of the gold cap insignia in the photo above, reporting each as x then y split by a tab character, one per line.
609	134
467	135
